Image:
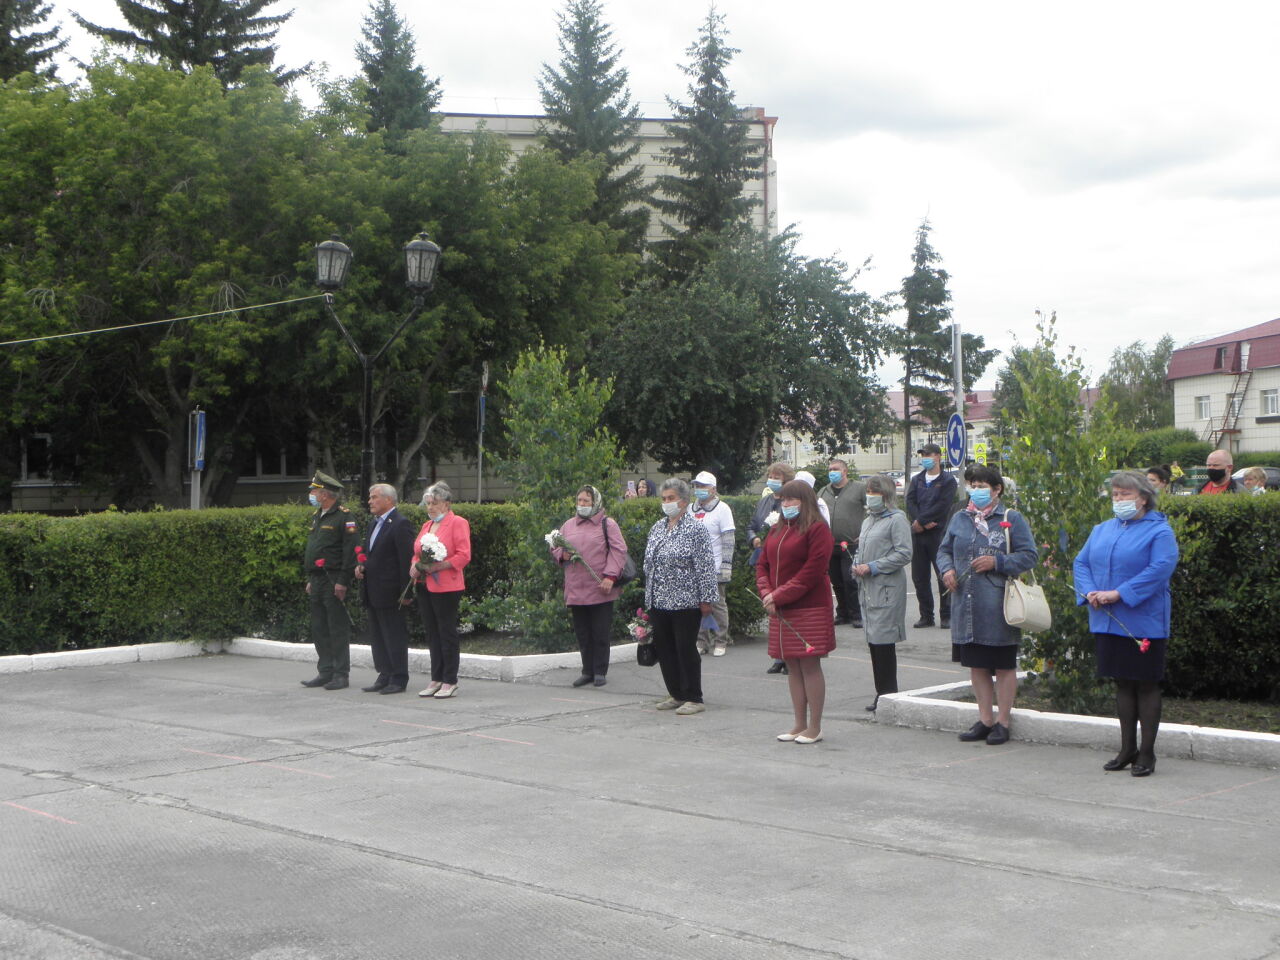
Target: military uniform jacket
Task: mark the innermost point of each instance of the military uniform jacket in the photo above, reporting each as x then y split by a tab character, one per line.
333	538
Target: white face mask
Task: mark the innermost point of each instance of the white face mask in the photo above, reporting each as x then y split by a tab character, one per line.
671	509
584	511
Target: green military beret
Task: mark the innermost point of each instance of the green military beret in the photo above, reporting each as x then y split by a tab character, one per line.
323	481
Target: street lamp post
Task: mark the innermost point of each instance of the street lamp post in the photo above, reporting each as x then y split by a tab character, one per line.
333	258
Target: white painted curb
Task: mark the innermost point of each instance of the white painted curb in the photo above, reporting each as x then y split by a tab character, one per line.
934	708
102	656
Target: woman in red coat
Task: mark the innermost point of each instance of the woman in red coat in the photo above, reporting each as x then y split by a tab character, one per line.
791	576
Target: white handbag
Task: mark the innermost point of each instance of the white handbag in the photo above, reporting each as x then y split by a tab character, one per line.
1025	605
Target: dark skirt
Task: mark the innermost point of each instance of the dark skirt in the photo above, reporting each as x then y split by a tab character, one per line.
986	657
1121	658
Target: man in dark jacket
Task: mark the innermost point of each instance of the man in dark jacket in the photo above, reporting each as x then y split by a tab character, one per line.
384	570
1219	464
929	500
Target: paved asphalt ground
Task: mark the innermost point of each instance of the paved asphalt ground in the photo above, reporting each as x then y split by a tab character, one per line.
213	808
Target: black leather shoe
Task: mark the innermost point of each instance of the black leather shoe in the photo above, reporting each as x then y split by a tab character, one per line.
392	688
1140	769
1120	761
979	731
856	624
375	687
923	622
944	624
871	707
337	683
999	734
316	681
777	667
842	621
599	681
583	680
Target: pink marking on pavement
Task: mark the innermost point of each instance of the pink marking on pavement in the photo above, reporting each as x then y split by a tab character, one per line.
525	743
465	733
41	813
1214	793
420	726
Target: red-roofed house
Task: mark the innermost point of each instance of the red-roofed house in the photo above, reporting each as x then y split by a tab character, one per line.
1227	389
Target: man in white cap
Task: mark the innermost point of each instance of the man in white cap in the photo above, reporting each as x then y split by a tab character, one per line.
718	519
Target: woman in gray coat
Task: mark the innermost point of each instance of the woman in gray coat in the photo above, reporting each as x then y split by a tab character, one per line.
986	544
884	553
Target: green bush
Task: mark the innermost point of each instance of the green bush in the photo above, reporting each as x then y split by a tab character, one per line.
1152	447
1226	592
1187	454
1257	458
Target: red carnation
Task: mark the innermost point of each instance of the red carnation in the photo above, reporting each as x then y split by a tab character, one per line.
1145	645
1005	523
320	562
844	544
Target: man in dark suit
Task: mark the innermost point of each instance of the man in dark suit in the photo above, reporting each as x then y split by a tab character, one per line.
384	569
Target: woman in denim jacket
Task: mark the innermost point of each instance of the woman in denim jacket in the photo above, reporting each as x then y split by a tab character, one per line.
986	544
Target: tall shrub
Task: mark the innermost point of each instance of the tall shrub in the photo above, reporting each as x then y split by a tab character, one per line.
1060	461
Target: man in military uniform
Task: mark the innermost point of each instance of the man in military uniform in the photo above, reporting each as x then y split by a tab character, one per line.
330	562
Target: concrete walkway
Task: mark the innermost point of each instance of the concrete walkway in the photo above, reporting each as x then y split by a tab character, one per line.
213	808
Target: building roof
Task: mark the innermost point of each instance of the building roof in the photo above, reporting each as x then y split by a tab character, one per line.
1207	356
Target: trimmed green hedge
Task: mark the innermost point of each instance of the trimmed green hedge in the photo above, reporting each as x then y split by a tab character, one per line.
117	578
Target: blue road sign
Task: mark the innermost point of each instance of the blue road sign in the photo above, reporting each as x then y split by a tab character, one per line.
956	448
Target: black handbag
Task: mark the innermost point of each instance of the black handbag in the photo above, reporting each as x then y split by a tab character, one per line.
646	653
629	571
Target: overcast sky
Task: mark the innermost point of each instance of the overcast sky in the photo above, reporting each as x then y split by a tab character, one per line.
1116	162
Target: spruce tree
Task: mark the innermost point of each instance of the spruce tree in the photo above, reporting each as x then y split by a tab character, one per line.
712	155
927	382
399	93
589	112
228	35
22	52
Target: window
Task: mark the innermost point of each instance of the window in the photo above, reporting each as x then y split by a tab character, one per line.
1234	402
36	457
1269	403
1220	358
882	445
1202	408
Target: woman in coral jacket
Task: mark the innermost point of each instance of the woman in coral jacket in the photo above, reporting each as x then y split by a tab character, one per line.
791	576
440	586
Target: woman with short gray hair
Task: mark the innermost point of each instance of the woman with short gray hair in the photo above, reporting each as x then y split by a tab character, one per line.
679	589
1123	573
440	584
880	564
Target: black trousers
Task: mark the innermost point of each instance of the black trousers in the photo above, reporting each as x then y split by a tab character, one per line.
439	612
388	637
845	584
675	639
884	666
924	568
592	624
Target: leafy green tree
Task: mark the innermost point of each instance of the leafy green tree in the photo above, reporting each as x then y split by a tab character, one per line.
927	380
399	94
713	157
1060	461
227	35
554	445
1008	400
1135	384
31	51
759	339
589	112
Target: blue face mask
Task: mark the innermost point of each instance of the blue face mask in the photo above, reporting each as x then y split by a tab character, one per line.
774	485
790	513
701	494
1124	509
835	476
875	502
927	462
435	517
311	499
980	497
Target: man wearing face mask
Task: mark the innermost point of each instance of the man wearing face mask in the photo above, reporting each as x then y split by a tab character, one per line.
846	499
929	500
330	561
1218	465
718	519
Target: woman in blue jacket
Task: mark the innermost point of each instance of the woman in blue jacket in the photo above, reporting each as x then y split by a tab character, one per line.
1123	573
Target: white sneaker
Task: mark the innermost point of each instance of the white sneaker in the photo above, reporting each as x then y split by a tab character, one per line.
668	704
720	650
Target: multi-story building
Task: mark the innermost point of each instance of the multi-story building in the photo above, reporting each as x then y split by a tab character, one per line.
1227	389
